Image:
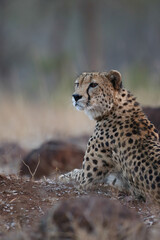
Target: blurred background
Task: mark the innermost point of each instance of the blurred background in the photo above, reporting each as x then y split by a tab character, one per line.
45	45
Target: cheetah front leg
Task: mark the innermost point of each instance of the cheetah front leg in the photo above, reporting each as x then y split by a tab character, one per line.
95	168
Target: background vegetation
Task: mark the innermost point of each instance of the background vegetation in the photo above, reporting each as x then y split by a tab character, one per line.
45	44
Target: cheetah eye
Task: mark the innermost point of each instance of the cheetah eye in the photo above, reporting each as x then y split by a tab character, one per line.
93	85
76	84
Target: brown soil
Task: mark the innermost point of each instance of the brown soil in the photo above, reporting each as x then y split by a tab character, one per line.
24	202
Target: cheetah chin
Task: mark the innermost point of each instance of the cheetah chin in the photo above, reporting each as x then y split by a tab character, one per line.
92	113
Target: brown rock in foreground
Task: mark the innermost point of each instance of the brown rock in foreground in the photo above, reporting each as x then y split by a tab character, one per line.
91	218
51	156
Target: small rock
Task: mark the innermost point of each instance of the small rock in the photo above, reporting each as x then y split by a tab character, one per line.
52	156
91	218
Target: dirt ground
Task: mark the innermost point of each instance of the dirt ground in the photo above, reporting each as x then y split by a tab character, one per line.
24	202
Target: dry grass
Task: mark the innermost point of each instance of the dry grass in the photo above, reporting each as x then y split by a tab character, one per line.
31	123
149	97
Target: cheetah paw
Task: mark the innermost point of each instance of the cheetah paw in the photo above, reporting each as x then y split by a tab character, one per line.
68	177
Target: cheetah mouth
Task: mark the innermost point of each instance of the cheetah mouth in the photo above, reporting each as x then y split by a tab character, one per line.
78	106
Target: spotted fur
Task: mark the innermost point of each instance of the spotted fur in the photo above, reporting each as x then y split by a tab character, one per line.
124	141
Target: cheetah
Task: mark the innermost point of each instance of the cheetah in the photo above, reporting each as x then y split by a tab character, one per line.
124	141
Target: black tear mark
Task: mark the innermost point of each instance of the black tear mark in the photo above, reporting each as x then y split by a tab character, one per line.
88	94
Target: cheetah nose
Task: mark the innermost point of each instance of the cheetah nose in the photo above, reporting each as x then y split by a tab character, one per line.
76	97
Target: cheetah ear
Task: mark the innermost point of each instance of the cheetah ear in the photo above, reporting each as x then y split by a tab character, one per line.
115	78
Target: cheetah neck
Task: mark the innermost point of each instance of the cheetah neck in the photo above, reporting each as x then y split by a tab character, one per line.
124	105
126	108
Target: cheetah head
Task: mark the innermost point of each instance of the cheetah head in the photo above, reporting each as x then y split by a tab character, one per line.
95	93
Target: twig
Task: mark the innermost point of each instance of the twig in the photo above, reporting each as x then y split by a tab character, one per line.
32	173
13	200
36	167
